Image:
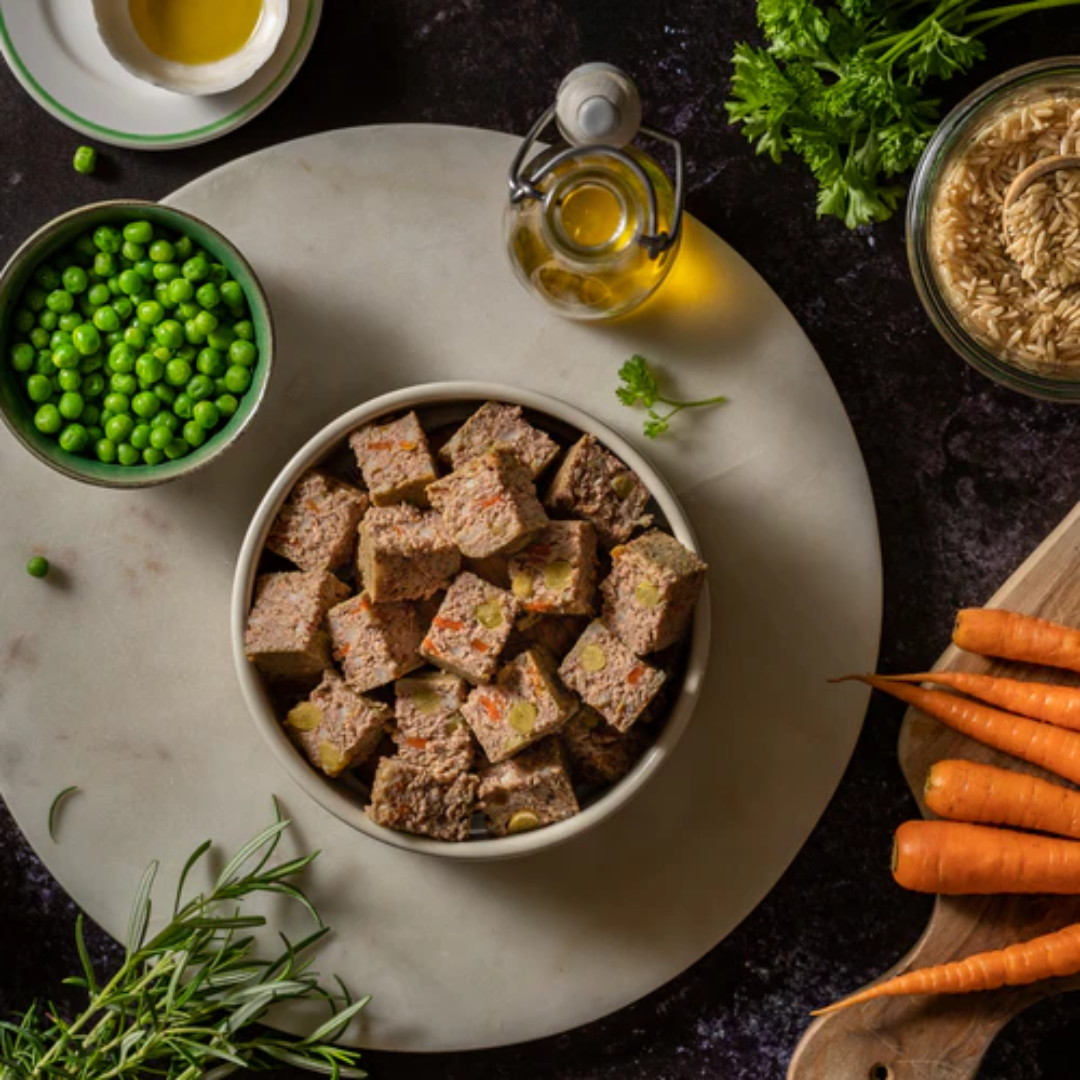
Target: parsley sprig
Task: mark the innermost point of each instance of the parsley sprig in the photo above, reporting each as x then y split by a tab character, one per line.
640	386
843	85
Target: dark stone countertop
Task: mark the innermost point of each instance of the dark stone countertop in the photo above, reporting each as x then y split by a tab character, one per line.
968	478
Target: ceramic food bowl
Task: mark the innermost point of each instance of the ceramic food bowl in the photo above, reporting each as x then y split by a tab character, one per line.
15	406
441	404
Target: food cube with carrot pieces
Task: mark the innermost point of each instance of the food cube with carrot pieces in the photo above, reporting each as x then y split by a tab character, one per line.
375	643
527	792
410	799
598	753
489	505
650	594
495	424
470	630
316	525
610	677
592	483
395	460
556	573
286	634
555	633
430	731
404	554
525	703
335	727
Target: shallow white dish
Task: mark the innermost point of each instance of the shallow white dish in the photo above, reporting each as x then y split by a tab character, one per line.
118	32
336	796
118	675
55	51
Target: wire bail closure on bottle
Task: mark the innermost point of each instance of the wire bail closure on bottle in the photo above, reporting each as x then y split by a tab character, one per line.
523	186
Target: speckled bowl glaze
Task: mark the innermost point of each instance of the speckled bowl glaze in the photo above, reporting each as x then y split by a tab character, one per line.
343	798
16	408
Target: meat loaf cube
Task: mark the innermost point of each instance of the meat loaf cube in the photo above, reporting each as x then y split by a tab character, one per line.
650	594
395	461
594	484
404	554
336	727
285	636
489	505
556	573
431	732
410	799
525	703
607	675
556	633
599	753
527	792
316	525
375	643
472	626
495	424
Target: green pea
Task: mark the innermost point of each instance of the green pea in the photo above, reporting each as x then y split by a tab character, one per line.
184	247
165	393
24	321
39	388
219	274
169	333
95	432
177	372
91	363
38	566
192	334
34	298
231	293
140	436
121	358
220	387
91	414
177	448
150	312
132	252
59	337
123	384
117	403
221	338
74	438
75	280
206	322
180	291
127	455
148	368
48	277
119	428
146	404
114	285
65	356
200	388
106	320
48	320
131	283
139	232
160	437
105	449
39	337
208	295
69	379
243	352
164	272
105	417
69	321
206	415
145	269
227	405
23	356
210	362
188	310
86	339
153	456
183	406
48	419
196	268
85	161
237	379
93	385
71	405
99	294
108	239
60	301
194	433
135	337
105	265
161	251
244	329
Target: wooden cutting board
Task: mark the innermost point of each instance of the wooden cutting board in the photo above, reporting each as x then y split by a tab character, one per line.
920	1038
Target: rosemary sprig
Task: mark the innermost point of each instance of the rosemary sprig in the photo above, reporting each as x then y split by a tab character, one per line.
186	1002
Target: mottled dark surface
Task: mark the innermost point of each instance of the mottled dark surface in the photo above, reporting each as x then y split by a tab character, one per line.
968	479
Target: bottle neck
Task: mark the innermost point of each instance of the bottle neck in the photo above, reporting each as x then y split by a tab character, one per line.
593	215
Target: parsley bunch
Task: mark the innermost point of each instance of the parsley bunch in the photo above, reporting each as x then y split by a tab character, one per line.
843	85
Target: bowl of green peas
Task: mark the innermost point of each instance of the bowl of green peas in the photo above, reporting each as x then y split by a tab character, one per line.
136	344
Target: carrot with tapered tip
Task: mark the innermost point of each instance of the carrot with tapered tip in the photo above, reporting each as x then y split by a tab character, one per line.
1049	956
1052	748
1013	636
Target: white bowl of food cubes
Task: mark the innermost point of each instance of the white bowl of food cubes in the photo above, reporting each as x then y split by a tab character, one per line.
470	620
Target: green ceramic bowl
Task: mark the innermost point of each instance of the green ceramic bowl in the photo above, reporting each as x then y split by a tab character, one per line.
17	409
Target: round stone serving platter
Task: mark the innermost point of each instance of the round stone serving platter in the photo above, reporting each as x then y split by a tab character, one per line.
381	253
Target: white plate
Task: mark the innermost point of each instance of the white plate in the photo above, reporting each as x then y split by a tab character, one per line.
381	253
54	50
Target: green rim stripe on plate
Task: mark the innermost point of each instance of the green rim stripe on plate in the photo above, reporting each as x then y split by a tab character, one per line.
179	136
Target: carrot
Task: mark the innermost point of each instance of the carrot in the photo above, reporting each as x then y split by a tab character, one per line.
1058	705
1042	744
956	859
1012	636
966	791
1048	956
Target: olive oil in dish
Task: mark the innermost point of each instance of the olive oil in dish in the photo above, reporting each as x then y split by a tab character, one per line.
195	31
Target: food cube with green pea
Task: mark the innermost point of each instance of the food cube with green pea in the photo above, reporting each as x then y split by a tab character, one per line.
129	323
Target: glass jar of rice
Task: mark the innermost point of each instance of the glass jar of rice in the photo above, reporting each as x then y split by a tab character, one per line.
996	259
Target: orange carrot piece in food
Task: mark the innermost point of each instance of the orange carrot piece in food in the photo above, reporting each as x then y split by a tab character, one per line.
1058	705
952	858
1049	956
968	791
1012	636
1050	747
